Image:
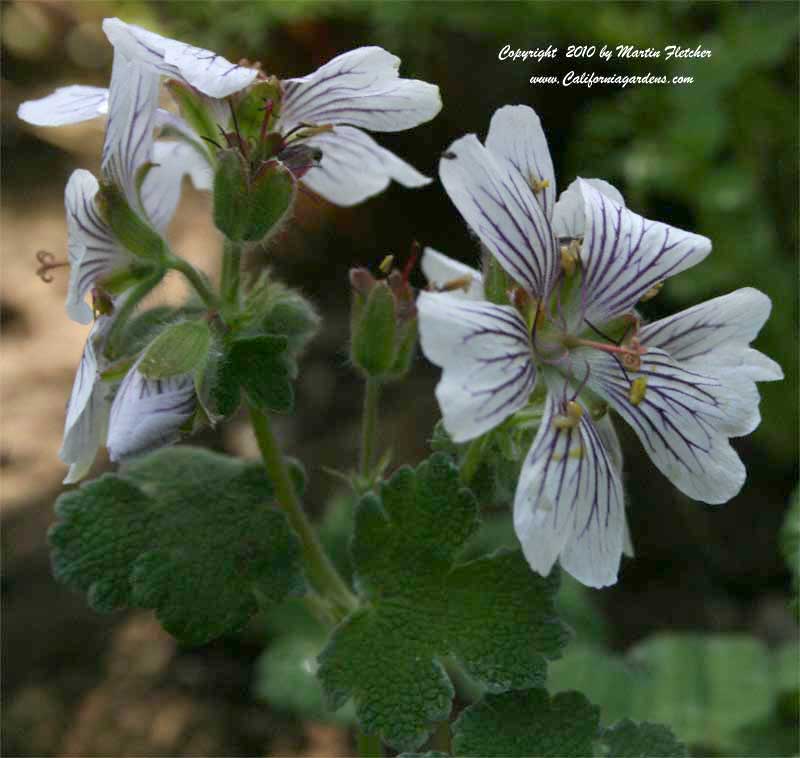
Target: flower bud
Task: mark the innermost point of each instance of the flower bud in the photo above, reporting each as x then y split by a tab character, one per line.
383	324
249	204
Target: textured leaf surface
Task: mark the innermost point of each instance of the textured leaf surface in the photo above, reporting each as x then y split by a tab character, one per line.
494	615
629	740
184	531
179	349
527	723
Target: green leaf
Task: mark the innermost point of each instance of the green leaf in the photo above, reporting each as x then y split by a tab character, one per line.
527	723
790	544
704	687
493	615
185	531
629	740
179	349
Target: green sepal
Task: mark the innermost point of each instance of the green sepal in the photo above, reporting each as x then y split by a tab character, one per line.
195	111
123	279
180	349
374	332
250	109
419	606
130	230
247	207
189	533
496	282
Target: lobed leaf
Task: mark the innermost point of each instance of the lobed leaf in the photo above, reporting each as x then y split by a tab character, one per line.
419	606
184	531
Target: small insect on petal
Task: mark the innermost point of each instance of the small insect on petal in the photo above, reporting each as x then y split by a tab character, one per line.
638	390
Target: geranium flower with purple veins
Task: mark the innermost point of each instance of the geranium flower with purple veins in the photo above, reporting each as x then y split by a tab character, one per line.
314	124
569	333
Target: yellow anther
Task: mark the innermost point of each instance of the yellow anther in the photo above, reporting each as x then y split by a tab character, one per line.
598	410
386	264
539	184
570	256
572	417
576	453
461	283
652	292
637	390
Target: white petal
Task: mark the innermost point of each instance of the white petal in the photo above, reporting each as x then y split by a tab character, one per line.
516	137
684	421
624	255
210	73
67	105
569	500
439	270
148	413
608	436
359	88
132	105
161	189
355	167
500	207
485	354
92	251
87	410
714	338
568	216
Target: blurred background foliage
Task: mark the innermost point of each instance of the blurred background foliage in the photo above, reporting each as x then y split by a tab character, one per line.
719	157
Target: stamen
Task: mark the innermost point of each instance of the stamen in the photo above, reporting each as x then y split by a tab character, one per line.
386	264
570	257
537	185
652	292
638	390
48	263
461	283
572	417
630	354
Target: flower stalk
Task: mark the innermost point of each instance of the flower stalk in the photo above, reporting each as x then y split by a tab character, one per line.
369	425
320	568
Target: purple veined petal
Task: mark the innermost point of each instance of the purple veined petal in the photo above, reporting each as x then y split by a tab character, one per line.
608	436
569	214
210	73
485	354
439	270
354	167
359	88
132	105
67	105
161	189
92	250
623	255
569	501
87	410
683	420
148	413
516	137
499	206
714	338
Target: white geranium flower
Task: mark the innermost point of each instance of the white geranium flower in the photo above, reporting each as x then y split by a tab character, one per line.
128	148
686	384
324	113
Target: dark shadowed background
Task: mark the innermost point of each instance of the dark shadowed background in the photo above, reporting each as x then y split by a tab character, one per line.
718	157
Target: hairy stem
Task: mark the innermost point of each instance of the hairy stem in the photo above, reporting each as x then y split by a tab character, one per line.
196	279
368	745
231	266
369	425
320	569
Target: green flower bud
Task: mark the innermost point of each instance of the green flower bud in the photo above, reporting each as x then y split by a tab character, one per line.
383	325
129	228
247	206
